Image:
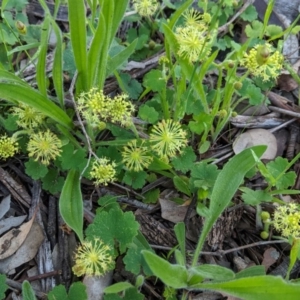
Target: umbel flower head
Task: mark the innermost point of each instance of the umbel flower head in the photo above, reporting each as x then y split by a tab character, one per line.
287	220
193	37
103	171
136	158
44	147
263	61
28	117
8	147
120	110
95	108
167	137
93	258
145	8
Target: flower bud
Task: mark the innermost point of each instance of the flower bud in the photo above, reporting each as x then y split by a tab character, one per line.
238	85
264	235
151	45
21	27
263	53
230	64
265	215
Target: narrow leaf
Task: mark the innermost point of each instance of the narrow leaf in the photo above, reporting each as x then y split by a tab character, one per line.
77	22
14	90
71	204
41	76
57	72
227	183
172	275
256	288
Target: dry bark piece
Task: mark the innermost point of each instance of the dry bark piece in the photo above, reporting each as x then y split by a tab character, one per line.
254	137
4	206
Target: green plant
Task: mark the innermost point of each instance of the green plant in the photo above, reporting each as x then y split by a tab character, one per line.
179	115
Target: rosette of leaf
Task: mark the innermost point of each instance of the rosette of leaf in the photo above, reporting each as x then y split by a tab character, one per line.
263	61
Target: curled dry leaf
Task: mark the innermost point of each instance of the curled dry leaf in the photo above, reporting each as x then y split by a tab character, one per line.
26	252
8	223
271	255
12	240
254	137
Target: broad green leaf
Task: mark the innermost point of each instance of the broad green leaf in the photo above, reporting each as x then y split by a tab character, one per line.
256	288
117	287
77	23
77	291
15	90
251	271
214	272
27	291
175	276
3	286
182	185
227	183
71	204
134	261
114	225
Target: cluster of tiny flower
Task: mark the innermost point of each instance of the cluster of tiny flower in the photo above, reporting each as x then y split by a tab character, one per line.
145	8
194	38
166	139
27	117
95	107
103	171
93	258
263	61
44	146
286	220
8	147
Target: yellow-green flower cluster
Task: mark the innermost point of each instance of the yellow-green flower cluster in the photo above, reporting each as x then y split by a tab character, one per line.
95	107
167	138
28	117
93	258
103	171
135	157
44	147
193	37
145	8
262	61
287	220
8	147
